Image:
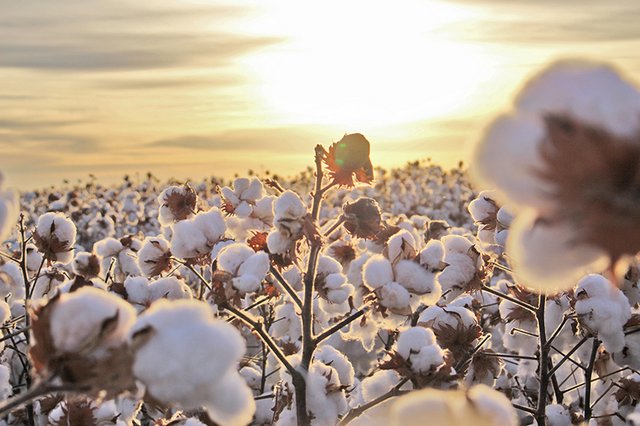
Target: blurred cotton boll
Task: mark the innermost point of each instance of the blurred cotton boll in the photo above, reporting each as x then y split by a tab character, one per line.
478	406
188	359
567	160
9	209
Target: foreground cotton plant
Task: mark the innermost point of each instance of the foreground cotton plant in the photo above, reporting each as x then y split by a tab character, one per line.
567	157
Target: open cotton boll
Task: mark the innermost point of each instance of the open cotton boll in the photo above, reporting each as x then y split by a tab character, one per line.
330	356
186	358
604	309
377	271
155	256
289	206
170	288
432	256
549	257
400	246
197	236
87	265
412	339
394	296
418	280
376	385
232	256
5	386
176	203
278	243
611	102
480	406
71	335
453	316
55	237
483	207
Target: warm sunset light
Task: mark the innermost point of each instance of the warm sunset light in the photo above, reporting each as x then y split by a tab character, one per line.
331	213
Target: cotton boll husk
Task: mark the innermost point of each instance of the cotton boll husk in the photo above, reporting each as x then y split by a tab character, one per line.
547	258
480	405
377	271
418	280
610	101
70	334
190	359
507	157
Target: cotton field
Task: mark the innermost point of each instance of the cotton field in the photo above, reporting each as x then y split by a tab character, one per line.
506	294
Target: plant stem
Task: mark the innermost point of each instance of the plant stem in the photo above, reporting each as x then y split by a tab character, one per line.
336	327
505	296
27	317
587	379
543	363
287	287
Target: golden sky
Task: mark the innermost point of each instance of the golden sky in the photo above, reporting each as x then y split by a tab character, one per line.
192	88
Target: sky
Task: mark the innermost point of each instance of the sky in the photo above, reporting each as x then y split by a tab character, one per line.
193	88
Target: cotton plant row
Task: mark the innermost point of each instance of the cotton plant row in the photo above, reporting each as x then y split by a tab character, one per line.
332	298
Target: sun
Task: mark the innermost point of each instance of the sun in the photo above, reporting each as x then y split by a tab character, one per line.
366	63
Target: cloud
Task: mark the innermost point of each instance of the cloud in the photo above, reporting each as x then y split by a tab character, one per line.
20	124
289	140
128	51
153	83
74	35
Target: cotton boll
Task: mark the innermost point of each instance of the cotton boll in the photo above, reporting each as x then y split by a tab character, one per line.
328	355
55	236
176	203
278	243
48	283
289	212
400	246
11	281
546	257
5	386
70	335
155	256
196	237
394	296
483	207
187	358
87	265
432	256
170	288
412	339
377	271
558	415
603	309
610	102
381	382
232	256
418	280
480	405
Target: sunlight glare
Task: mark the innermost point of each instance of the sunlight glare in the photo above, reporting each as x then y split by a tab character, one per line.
367	63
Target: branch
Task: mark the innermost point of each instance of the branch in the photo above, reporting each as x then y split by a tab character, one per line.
505	296
287	287
348	320
543	362
587	379
356	412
